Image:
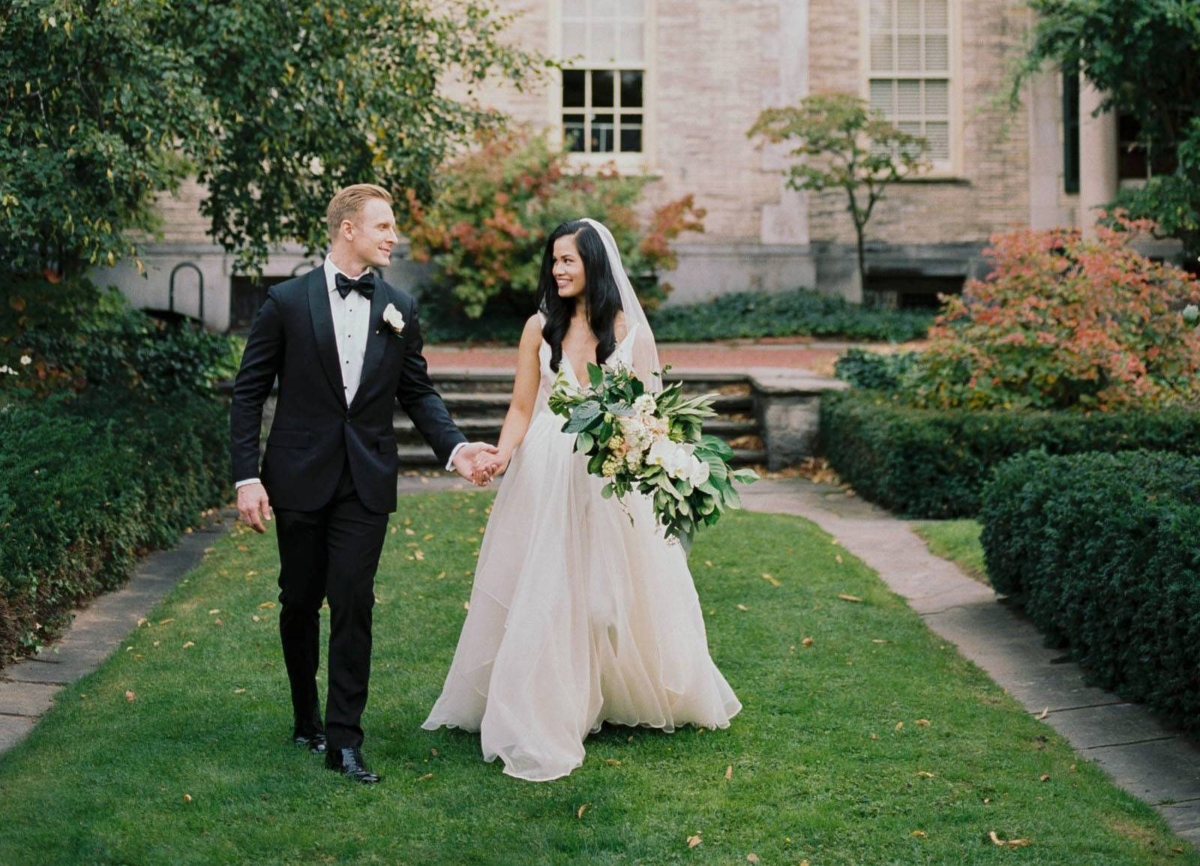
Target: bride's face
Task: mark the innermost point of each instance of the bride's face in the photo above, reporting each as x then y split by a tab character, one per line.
568	268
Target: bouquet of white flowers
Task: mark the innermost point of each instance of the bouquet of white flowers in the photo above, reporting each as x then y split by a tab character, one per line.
652	443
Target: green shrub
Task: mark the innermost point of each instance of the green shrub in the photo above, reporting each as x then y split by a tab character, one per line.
1100	550
874	371
928	463
76	335
803	313
86	485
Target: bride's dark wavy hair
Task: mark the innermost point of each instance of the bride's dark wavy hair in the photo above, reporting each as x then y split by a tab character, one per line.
601	295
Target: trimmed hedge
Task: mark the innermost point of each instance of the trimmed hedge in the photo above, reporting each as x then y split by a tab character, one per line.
930	463
1103	553
86	485
784	314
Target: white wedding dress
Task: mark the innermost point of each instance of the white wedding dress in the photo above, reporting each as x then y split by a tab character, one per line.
577	617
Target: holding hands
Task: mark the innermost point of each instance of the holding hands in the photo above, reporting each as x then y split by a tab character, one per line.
476	462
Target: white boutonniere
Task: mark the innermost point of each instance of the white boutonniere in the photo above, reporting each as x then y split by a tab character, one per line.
393	319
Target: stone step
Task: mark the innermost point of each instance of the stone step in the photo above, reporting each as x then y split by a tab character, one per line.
488	429
481	404
420	456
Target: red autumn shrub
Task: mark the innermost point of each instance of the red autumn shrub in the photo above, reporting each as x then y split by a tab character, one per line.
1063	323
499	203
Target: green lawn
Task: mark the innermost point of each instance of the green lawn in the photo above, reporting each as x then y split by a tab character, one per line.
958	541
876	744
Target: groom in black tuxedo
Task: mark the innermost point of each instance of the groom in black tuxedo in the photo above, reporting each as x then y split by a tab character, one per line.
345	347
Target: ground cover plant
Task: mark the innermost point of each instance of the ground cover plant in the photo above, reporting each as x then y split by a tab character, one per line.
864	739
957	541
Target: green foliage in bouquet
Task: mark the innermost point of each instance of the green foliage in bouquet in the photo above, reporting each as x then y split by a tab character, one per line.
651	443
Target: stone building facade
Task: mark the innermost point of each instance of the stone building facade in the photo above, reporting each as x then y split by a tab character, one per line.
670	87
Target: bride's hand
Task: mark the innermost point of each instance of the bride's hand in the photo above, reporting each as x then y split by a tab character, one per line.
487	466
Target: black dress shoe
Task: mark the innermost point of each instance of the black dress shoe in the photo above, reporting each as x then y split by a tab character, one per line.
314	741
349	762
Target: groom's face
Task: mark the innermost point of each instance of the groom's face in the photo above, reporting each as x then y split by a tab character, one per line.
372	233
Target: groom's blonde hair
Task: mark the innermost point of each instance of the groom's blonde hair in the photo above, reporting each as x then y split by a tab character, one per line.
348	203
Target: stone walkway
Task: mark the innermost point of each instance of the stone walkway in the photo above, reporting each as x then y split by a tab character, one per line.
1156	764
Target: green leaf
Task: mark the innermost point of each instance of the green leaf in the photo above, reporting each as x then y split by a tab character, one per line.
595	375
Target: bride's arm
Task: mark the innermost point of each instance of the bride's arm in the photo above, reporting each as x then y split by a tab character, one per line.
525	391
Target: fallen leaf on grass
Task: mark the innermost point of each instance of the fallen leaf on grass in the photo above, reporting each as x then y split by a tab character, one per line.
256	618
187	798
807	642
419	555
239	691
838	557
845	597
742	607
899	725
1044	713
919	834
922	723
408	531
925	774
693	841
612	762
466	605
1007	843
130	696
877	640
1045	777
167	620
189	644
729	772
771	580
214	610
266	605
708	562
751	857
582	809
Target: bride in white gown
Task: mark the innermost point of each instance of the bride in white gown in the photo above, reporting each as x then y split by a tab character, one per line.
577	617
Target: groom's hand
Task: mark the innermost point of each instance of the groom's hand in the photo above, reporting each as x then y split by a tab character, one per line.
464	460
254	506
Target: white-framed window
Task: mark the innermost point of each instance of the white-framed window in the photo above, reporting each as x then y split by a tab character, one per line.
909	71
603	95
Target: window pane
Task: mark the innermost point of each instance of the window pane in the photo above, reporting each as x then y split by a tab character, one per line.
574	8
936	15
938	136
909	17
604	8
632	8
602	89
604	43
631	89
631	140
937	53
631	43
881	15
573	132
573	88
908	53
882	59
574	40
602	133
908	99
910	127
937	98
881	97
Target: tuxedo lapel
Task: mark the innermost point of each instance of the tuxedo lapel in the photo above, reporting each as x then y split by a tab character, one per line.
322	322
378	334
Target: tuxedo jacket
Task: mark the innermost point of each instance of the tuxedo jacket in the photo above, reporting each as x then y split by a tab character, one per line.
315	433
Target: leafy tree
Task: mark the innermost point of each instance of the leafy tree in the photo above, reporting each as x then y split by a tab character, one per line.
841	144
1144	57
92	98
272	104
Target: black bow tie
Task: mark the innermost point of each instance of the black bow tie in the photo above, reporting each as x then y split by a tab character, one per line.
364	285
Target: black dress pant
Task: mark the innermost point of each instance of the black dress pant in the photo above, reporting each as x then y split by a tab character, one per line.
331	553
